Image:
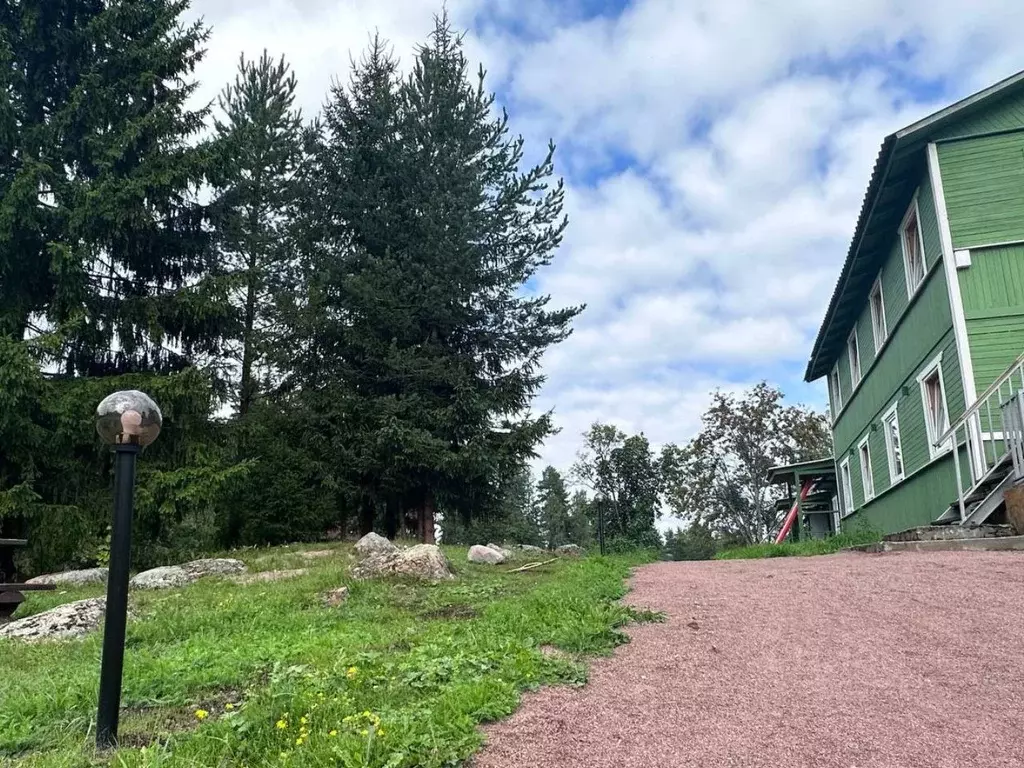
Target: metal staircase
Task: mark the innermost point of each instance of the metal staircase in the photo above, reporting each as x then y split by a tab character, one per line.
990	437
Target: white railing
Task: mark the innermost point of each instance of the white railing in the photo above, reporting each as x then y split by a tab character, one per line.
982	430
1013	432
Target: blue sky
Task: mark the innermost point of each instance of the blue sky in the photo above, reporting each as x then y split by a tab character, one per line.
716	153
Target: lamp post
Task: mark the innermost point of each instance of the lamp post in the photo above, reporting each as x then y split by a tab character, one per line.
128	421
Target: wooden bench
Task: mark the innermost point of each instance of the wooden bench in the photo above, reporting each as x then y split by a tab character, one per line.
12	593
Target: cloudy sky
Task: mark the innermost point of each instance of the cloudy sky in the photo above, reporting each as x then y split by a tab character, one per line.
715	151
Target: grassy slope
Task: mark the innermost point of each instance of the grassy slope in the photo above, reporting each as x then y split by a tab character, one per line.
806	548
400	675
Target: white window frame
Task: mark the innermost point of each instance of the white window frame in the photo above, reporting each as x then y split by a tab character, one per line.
893	416
837	391
846	486
851	342
867	478
879	327
935	366
913	212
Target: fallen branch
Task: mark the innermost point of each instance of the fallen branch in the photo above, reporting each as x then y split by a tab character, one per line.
528	566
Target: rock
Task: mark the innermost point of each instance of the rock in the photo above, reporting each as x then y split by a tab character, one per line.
532	549
214	566
482	554
164	577
73	578
316	554
64	622
374	544
570	550
253	578
507	553
424	561
336	597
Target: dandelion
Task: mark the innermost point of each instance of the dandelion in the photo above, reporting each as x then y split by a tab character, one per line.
201	714
380	732
298	741
282	724
333	733
229	706
352	672
365	732
302	720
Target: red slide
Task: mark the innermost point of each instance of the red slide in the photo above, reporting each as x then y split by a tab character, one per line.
808	486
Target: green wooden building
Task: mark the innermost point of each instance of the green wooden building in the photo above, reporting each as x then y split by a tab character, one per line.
922	341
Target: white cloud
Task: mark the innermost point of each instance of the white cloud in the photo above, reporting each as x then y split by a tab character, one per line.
717	152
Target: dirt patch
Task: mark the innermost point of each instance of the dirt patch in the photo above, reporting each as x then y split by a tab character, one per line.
839	661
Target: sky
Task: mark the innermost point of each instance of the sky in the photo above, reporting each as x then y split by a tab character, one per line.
715	153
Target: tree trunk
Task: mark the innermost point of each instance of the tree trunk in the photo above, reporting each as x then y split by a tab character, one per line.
247	389
366	513
427	536
391	517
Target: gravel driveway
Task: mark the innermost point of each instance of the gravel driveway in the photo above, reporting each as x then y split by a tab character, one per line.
853	660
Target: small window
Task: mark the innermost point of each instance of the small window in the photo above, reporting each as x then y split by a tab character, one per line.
867	479
878	325
837	394
893	446
846	487
933	400
913	250
853	348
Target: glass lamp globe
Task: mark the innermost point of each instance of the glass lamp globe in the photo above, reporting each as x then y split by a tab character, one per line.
128	417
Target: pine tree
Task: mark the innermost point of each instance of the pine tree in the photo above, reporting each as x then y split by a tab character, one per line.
259	154
553	508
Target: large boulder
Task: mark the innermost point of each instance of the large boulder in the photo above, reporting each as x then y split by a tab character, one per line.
532	550
72	578
481	554
64	622
164	577
507	553
571	550
424	561
214	566
374	544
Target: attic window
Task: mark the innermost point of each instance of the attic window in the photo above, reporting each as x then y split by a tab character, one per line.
913	249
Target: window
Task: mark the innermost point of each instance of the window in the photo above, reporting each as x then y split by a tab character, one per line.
878	326
853	348
933	400
893	445
913	249
866	477
837	393
846	486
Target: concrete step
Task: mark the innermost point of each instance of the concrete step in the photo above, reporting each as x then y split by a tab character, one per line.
987	544
943	532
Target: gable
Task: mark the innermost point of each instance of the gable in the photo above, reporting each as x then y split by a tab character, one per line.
1002	114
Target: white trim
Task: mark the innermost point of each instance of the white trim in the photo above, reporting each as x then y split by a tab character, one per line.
986	246
867	477
956	302
877	287
849	353
913	210
959	106
846	487
893	415
935	365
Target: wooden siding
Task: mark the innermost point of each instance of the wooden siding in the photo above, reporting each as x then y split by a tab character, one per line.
1005	114
917	501
983	180
993	295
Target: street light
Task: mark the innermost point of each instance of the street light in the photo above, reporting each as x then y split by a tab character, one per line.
129	421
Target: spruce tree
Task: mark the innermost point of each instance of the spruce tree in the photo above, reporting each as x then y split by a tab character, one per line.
420	324
553	508
259	156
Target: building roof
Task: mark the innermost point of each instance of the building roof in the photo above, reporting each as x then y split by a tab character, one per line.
898	168
789	472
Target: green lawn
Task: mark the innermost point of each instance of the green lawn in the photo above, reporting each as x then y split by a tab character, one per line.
264	674
806	548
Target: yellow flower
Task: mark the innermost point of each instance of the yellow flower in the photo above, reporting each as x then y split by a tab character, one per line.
365	732
229	706
302	719
380	732
201	714
352	672
298	741
333	733
282	724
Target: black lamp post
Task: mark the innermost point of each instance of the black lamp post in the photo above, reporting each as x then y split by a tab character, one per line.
128	421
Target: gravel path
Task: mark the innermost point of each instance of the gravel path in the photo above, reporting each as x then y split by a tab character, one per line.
859	661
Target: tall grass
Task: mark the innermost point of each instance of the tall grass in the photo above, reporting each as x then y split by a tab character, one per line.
805	548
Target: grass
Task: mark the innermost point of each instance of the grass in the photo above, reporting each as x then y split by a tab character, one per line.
401	674
805	548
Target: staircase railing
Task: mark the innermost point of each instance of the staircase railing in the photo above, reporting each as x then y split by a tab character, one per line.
983	430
